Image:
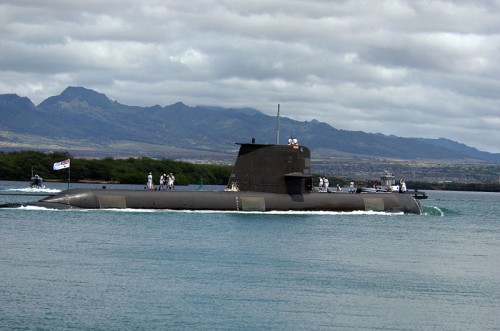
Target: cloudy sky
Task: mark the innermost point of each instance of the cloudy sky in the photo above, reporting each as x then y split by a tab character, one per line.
408	68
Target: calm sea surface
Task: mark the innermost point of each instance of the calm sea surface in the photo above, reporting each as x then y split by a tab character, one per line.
165	270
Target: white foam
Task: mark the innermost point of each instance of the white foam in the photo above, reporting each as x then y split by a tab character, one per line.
433	210
34	190
273	212
34	208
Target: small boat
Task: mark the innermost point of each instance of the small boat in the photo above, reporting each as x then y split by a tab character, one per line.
419	195
388	183
36	182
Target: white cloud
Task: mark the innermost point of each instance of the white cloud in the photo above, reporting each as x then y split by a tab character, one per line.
412	68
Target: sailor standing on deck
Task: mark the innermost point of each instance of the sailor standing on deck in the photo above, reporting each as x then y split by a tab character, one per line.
403	186
150	181
171	180
326	183
320	183
351	187
161	183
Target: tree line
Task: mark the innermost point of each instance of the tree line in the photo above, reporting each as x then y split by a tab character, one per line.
19	166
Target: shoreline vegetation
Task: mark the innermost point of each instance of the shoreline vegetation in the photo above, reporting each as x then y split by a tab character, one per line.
20	165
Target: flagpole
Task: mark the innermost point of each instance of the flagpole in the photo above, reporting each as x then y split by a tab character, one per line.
62	165
278	126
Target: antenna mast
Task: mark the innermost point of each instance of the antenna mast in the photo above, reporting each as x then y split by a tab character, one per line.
278	126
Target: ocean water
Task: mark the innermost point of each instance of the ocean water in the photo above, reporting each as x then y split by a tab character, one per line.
165	270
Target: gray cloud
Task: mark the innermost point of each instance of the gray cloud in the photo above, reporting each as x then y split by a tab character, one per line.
409	68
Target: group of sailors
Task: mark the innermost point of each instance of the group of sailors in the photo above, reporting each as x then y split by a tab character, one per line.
324	183
166	182
292	141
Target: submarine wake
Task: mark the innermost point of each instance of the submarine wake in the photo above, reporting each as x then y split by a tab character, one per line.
33	190
433	211
229	212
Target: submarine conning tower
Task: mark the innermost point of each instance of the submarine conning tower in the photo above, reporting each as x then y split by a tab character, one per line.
272	169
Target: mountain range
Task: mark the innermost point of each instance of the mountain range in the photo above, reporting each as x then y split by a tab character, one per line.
87	123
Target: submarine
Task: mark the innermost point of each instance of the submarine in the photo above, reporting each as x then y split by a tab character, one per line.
265	177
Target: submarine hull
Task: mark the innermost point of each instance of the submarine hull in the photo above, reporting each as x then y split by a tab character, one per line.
230	201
